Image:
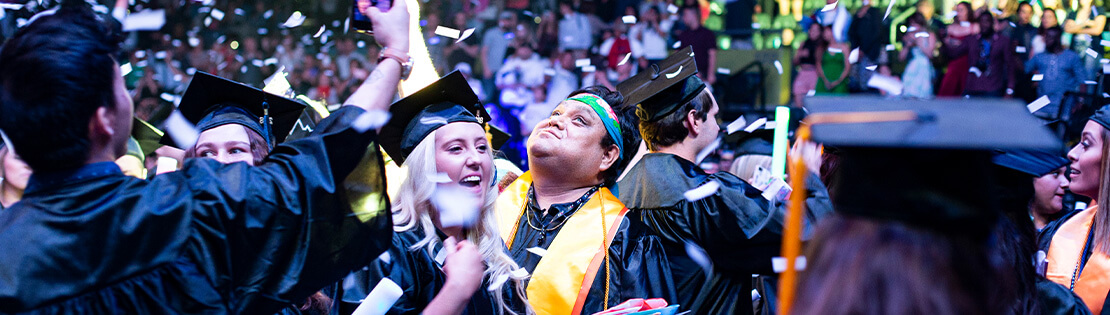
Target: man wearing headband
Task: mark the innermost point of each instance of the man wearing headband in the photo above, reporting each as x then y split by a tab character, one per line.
732	223
557	218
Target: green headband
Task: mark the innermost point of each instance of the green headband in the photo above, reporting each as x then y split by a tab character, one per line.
608	117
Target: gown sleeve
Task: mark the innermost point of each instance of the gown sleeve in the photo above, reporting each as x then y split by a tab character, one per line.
277	232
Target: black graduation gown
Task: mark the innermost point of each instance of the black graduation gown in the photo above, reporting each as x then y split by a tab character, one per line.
208	239
636	259
739	229
420	277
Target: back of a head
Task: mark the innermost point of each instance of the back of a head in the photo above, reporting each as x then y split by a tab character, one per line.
54	74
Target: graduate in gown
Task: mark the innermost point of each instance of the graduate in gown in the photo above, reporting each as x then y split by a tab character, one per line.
566	228
736	226
211	238
917	209
441	131
1077	244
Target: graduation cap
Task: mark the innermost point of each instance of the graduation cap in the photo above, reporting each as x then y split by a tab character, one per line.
1035	163
665	87
212	101
445	101
146	136
925	163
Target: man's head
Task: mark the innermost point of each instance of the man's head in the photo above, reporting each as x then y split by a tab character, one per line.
694	122
507	20
1025	13
577	140
60	84
986	24
1052	39
692	17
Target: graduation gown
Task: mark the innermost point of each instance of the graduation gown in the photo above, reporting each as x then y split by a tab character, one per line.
739	229
571	277
420	276
210	238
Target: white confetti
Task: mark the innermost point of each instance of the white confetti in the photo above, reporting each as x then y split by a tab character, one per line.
268	14
672	8
756	125
165	164
240	12
835	50
160	55
456	206
976	71
258	63
830	6
771	125
736	125
370	120
890	47
625	59
871	67
582	62
853	56
629	19
194	42
270	61
921	35
447	32
381	298
779	263
465	34
886	83
497	282
385	257
756	26
724	71
320	32
146	20
1088	82
698	255
1092	53
183	132
588	69
1105	68
707	150
217	14
1038	77
888	8
778	66
705	190
675	73
1020	49
676	45
964	23
549	72
811	93
1038	104
537	251
125	69
294	20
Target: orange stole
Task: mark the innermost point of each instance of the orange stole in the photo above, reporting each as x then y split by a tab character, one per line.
1064	253
562	279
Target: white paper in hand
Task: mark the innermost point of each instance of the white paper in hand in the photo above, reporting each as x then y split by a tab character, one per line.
380	299
1038	104
705	190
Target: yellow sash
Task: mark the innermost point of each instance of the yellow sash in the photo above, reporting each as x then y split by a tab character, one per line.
1064	254
563	277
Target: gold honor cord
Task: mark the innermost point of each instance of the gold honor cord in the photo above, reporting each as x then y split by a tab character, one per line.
792	233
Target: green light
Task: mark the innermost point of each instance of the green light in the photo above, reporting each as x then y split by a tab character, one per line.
778	151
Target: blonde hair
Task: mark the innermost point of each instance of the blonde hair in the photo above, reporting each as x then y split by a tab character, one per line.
745	165
413	207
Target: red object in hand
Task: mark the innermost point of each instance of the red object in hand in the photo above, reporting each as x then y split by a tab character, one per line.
634	305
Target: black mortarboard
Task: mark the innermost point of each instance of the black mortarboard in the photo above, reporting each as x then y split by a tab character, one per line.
661	90
212	101
445	101
1036	163
146	135
925	163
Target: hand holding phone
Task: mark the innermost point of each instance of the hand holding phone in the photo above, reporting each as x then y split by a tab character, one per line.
360	13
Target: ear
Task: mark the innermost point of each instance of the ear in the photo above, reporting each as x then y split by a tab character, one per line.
101	123
609	157
693	125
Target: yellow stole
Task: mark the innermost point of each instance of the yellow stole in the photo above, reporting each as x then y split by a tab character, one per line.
563	277
1063	257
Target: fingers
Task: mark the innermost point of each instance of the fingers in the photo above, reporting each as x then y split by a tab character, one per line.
450	245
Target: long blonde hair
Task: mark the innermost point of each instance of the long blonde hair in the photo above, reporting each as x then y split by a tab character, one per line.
413	207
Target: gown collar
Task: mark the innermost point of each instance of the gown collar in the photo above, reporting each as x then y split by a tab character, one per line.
41	181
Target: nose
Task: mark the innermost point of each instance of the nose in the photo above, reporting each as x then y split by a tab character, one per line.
1073	154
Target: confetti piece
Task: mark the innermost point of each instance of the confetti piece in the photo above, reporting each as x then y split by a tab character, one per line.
676	45
888	8
1020	49
853	56
165	164
370	120
778	66
447	32
240	12
629	19
707	150
589	69
268	14
208	21
1092	53
549	72
1038	104
724	71
675	73
125	69
10	6
976	71
381	298
625	59
755	295
194	42
835	50
771	125
756	125
582	62
1089	82
1038	77
705	190
886	83
537	251
384	257
890	47
811	93
465	34
698	255
779	263
830	6
320	32
756	25
160	55
921	35
294	20
964	23
146	20
183	132
497	282
217	14
672	8
456	207
519	273
736	125
871	67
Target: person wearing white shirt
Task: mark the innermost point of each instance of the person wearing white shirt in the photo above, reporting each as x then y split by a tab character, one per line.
575	32
652	34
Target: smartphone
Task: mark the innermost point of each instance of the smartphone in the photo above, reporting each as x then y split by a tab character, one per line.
360	21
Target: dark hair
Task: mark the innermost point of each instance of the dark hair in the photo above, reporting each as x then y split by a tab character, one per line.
54	75
670	129
615	100
1026	4
917	18
259	148
970	11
